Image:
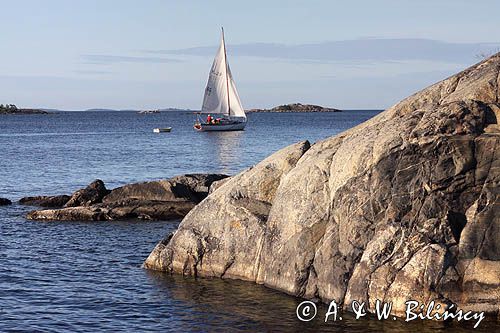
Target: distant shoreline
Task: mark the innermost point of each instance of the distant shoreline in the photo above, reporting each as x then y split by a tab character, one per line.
23	111
272	110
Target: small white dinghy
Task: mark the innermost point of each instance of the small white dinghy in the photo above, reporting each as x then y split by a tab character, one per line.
221	98
162	130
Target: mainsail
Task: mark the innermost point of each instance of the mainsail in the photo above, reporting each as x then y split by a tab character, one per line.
220	94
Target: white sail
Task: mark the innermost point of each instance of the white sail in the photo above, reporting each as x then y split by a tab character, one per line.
234	100
221	84
215	100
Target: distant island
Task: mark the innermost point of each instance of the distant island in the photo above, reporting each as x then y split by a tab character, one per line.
12	109
148	111
297	107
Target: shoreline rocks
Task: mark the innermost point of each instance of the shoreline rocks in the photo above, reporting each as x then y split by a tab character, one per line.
55	201
164	199
404	206
92	194
5	202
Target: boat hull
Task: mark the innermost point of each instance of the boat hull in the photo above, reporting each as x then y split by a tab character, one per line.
220	127
162	130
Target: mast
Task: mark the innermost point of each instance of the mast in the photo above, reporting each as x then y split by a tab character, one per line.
227	79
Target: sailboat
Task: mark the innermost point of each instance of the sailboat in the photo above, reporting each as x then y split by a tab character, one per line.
221	101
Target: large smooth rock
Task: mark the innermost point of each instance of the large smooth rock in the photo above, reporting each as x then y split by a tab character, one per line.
404	206
55	201
5	202
159	200
224	230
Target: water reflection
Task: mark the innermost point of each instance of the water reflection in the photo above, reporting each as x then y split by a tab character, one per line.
226	146
216	304
212	304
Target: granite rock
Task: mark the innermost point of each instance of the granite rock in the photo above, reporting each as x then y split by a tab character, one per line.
403	206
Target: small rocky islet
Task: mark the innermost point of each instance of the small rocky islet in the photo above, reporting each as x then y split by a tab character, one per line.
405	206
296	107
13	109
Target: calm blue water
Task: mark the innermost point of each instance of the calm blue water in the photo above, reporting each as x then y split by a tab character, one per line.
84	276
57	153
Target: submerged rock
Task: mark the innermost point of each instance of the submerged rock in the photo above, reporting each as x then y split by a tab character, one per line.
164	199
5	202
55	201
404	206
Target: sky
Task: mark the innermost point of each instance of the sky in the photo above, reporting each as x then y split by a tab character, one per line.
148	54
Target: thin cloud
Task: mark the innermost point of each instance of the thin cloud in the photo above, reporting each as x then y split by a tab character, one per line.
101	59
367	49
90	72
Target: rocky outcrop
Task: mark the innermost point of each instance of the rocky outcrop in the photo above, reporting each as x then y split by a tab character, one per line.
92	194
12	109
5	202
193	187
55	201
404	206
164	199
125	210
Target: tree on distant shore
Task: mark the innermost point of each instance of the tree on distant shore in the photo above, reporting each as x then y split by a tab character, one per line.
8	107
